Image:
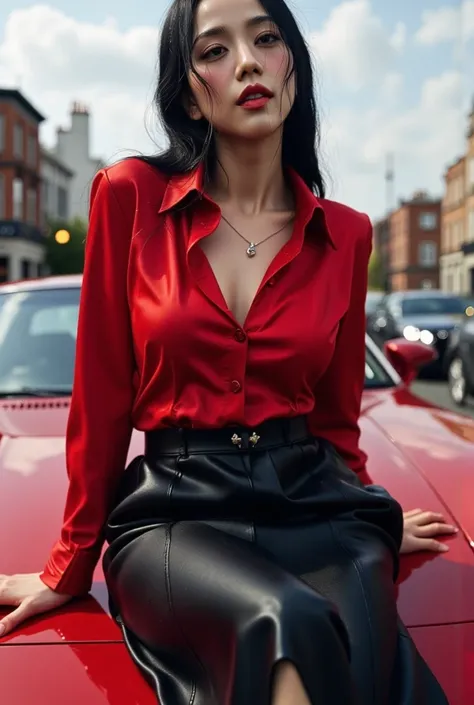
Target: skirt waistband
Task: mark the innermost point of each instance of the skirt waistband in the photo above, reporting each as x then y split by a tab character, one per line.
184	441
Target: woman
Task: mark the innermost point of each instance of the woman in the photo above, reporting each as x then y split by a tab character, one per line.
223	314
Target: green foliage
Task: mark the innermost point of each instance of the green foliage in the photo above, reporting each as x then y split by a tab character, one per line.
376	274
67	258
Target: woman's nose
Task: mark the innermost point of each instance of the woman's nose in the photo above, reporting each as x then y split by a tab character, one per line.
247	63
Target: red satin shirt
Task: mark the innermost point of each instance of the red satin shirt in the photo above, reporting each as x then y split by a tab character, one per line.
157	345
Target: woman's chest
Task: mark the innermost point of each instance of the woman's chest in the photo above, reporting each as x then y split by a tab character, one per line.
188	301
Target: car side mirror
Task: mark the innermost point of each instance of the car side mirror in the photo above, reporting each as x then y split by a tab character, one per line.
408	357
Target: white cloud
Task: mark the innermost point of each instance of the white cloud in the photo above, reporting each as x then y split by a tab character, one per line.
354	47
60	59
59	52
447	24
422	138
56	59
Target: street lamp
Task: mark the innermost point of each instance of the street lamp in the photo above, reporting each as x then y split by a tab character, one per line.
62	237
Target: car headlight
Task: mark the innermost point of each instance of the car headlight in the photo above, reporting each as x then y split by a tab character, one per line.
411	333
426	337
414	335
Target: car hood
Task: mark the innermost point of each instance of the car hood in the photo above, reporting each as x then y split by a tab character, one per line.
432	322
418	453
33	485
424	457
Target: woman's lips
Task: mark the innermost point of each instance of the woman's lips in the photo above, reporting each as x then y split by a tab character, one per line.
254	95
255	103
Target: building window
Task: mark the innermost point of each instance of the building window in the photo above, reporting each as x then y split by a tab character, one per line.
45	191
426	284
31	206
62	203
2	196
428	221
18	199
2	132
427	254
32	150
18	140
4	269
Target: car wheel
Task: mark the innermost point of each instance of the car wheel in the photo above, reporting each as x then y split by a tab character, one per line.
457	381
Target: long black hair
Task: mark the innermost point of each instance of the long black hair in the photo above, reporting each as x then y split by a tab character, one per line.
190	141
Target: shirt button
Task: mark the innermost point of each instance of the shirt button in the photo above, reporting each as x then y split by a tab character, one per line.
240	336
271	282
235	386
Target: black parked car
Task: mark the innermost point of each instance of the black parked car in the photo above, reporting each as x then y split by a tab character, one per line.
460	362
428	316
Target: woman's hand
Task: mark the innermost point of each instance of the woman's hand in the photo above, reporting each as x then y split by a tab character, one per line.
29	596
420	529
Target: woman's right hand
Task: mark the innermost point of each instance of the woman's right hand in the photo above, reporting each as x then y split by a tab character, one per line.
29	596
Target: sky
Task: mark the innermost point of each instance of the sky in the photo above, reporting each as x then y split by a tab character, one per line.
393	78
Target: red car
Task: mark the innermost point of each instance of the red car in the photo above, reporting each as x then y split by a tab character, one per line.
422	454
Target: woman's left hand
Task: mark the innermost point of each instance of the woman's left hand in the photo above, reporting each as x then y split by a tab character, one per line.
420	529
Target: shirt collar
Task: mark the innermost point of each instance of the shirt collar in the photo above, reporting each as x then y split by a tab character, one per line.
308	206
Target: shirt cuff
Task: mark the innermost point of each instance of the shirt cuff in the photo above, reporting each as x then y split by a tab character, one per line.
70	572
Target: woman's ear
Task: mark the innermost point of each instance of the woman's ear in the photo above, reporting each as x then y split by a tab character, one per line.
192	107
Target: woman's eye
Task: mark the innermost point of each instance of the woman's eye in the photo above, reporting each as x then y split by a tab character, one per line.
268	38
213	53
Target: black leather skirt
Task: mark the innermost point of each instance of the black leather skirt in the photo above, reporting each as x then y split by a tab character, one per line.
233	550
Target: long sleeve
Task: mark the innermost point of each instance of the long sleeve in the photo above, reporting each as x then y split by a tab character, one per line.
339	392
99	426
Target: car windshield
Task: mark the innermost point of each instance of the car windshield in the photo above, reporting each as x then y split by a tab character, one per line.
426	305
37	341
376	377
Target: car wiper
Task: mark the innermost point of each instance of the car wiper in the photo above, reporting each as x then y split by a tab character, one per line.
31	392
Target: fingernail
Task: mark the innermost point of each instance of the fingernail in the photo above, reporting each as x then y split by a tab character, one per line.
2	629
444	548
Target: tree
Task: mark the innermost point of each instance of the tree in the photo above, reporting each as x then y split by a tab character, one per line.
376	274
67	257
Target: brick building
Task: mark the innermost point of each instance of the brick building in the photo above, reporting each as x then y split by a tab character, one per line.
414	241
457	222
381	244
21	238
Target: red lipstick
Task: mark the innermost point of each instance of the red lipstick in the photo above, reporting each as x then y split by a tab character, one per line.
254	97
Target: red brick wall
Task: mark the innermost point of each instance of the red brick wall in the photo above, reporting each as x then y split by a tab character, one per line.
20	166
407	271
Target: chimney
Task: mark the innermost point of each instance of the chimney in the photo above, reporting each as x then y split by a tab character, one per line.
80	122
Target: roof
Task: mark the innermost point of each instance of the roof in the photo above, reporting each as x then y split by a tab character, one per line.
51	157
18	97
454	167
61	282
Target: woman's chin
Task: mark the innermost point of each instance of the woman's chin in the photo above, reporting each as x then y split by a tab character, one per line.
260	129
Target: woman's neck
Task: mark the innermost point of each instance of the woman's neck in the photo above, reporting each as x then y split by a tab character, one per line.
249	175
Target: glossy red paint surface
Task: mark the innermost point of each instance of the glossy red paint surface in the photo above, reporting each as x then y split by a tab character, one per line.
407	357
450	652
71	674
424	456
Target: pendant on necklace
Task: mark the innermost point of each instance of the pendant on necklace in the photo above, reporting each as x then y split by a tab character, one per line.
251	250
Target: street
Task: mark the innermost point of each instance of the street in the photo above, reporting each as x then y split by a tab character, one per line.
436	391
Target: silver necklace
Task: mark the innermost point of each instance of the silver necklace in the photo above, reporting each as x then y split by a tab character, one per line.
252	246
